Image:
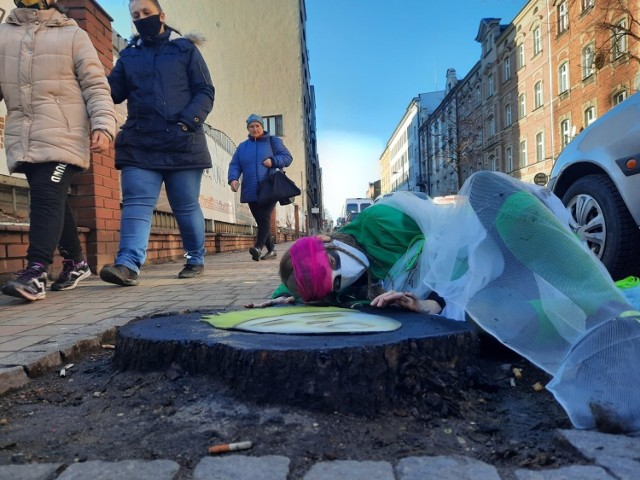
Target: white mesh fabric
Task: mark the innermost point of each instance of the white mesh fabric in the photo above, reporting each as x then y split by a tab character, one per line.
504	253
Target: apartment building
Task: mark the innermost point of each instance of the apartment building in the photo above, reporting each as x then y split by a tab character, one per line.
541	79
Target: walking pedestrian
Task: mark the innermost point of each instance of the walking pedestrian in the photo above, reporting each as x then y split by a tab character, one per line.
169	94
252	160
59	111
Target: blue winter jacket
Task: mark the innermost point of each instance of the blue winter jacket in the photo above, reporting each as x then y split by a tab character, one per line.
169	94
247	161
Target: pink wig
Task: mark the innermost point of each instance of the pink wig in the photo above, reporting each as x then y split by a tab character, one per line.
311	268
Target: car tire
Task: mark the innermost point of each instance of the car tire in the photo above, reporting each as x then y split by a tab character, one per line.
604	223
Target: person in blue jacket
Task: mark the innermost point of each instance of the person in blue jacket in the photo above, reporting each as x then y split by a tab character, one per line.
169	93
252	159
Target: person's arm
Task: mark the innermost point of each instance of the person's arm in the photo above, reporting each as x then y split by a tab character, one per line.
118	83
94	86
234	172
202	92
281	156
408	301
281	296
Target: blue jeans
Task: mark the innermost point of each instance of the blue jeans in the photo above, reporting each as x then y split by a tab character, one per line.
140	191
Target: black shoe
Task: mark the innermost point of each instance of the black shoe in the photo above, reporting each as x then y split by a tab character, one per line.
30	284
191	271
71	275
255	254
268	255
120	275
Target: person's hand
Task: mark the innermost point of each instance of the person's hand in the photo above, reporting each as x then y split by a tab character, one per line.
406	300
99	142
234	184
268	163
271	303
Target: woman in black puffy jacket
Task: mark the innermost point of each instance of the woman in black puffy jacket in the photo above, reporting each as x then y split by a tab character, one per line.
169	93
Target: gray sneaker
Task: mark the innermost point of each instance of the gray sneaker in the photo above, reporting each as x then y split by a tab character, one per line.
191	271
30	284
119	275
71	275
268	255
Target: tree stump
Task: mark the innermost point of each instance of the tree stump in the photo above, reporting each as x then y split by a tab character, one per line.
354	373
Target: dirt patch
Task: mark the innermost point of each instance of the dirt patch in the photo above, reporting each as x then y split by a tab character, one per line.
98	413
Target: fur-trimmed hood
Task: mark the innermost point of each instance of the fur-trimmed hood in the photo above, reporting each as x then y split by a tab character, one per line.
196	38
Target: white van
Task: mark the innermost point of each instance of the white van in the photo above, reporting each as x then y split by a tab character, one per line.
352	208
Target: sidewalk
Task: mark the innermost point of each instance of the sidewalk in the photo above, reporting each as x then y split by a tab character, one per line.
39	336
42	335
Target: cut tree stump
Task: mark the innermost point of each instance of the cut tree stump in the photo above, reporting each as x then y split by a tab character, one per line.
355	373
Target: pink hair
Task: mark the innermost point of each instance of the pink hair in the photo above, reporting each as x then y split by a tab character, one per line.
311	268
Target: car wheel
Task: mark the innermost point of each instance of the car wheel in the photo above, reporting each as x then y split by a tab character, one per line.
604	223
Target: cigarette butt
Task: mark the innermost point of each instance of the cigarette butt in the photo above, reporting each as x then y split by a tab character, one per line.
108	346
230	447
517	372
63	373
538	387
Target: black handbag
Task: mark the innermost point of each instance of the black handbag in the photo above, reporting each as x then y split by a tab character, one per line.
277	187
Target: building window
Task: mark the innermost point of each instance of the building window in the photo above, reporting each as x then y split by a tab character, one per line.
507	115
507	68
521	55
509	156
491	126
539	147
565	128
587	4
537	95
537	41
619	97
563	16
490	82
493	163
563	77
588	58
480	166
523	153
522	106
589	116
478	96
620	45
273	125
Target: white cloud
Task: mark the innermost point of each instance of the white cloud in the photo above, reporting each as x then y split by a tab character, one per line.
349	162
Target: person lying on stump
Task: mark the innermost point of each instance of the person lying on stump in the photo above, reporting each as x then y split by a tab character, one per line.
502	255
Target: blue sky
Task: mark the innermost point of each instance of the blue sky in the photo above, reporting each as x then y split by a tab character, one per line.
368	59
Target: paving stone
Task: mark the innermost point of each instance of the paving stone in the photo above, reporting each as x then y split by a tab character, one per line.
40	471
595	444
574	472
453	467
621	468
351	470
126	469
12	378
242	467
618	454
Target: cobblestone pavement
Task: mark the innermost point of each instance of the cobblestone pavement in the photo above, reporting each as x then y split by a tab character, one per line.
40	336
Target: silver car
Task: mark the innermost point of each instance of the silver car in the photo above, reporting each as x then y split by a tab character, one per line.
597	176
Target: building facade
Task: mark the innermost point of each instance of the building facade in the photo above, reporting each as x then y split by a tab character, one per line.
259	63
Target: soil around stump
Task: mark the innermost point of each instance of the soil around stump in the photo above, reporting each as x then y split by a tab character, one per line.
355	373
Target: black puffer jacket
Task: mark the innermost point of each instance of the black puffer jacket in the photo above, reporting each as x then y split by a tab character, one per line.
169	94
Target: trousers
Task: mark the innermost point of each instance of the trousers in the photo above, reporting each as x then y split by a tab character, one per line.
51	220
140	192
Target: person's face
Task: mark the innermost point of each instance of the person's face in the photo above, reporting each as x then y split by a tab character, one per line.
140	9
255	129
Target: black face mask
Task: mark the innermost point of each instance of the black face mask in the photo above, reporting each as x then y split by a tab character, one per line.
148	26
